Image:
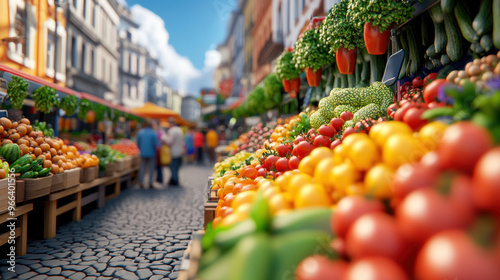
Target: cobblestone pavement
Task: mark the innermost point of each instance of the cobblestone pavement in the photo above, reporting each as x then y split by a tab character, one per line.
142	234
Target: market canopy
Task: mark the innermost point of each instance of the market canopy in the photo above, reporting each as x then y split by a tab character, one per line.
151	110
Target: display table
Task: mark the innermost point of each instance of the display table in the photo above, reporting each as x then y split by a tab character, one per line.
21	231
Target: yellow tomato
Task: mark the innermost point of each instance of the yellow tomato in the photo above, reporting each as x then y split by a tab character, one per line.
278	203
296	182
263	181
243	198
400	149
232	219
382	131
307	165
363	153
340	153
430	135
312	195
320	153
282	181
271	192
378	181
266	185
349	141
322	172
243	209
344	175
357	188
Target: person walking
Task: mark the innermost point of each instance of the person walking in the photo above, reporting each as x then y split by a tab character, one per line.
159	166
212	143
147	141
190	145
199	140
175	139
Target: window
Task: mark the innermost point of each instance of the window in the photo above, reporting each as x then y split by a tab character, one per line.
129	36
286	17
92	61
296	9
85	8
303	4
96	10
75	4
126	61
22	29
83	57
50	52
74	52
133	92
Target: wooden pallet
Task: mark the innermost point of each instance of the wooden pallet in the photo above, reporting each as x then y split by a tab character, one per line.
21	213
52	210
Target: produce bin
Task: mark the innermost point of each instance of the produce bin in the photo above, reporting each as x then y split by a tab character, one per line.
110	169
20	191
37	187
4	195
88	174
57	182
72	178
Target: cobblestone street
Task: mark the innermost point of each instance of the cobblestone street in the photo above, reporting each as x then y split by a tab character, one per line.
142	234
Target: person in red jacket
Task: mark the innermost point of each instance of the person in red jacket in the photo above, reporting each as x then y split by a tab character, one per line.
199	140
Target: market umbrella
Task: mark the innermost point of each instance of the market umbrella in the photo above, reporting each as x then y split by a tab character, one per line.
151	110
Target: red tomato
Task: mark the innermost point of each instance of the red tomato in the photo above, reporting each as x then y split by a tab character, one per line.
413	118
337	123
327	130
293	163
429	78
462	145
412	176
403	102
346	116
431	91
391	110
284	150
282	164
452	255
417	82
375	234
250	172
261	172
400	113
334	144
299	139
322	141
258	166
271	174
426	212
431	160
270	162
375	268
320	268
311	131
303	149
435	104
347	131
349	209
486	181
278	174
338	245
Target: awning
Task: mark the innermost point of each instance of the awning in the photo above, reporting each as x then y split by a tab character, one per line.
151	110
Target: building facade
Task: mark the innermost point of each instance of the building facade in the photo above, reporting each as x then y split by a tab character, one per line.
132	72
190	109
92	44
30	39
248	15
265	48
223	81
236	45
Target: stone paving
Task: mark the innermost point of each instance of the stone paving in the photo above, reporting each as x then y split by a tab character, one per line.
142	234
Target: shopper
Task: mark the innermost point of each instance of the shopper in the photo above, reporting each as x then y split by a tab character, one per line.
212	143
147	141
159	167
199	140
190	145
175	139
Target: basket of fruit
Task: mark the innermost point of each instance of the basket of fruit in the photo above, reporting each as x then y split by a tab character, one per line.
72	178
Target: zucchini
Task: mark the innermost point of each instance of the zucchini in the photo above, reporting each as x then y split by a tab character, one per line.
448	6
445	60
25	168
427	31
439	30
476	48
436	62
455	42
428	64
486	42
29	174
17	168
483	22
351	80
465	22
44	172
26	159
431	52
415	58
436	14
357	73
496	23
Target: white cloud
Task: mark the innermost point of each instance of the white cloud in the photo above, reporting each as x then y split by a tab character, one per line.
122	2
178	70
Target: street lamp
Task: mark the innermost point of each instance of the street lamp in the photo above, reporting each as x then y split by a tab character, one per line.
58	4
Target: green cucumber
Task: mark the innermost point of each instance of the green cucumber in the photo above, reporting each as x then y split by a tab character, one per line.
415	58
464	21
448	6
445	60
307	219
26	159
426	30
496	23
229	238
455	42
29	174
44	172
486	42
436	62
483	22
17	168
431	52
25	168
476	48
252	258
439	31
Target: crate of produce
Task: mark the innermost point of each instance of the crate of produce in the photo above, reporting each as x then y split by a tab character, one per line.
127	163
4	194
37	187
57	182
136	160
88	174
209	212
110	169
72	178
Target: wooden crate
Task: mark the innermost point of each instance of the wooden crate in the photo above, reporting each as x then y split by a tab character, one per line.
57	182
136	160
37	187
110	169
20	191
72	178
89	174
209	212
4	195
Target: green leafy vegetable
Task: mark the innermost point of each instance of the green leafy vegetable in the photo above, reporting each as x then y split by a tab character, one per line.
310	52
69	103
45	99
16	92
285	67
83	109
100	110
381	13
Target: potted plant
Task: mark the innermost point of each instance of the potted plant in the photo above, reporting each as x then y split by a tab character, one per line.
69	103
272	90
377	17
343	35
45	99
311	55
83	109
287	72
16	93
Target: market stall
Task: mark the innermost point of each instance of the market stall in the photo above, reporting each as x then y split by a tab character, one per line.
393	175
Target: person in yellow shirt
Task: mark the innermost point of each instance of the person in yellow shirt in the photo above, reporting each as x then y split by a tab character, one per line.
212	142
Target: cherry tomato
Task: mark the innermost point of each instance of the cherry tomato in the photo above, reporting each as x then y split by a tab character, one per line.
327	130
391	110
431	160
284	150
347	132
375	268
250	172
346	116
311	131
321	141
429	78
299	139
413	118
412	176
258	166
400	113
351	208
303	149
261	172
334	144
462	145
270	162
417	82
453	255
375	234
293	163
320	268
435	104
337	123
431	91
282	164
486	181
